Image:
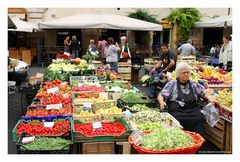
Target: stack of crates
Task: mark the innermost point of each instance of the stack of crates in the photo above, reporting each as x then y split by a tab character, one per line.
125	70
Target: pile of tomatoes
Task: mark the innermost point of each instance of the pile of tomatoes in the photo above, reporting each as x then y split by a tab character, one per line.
38	129
108	128
41	111
55	99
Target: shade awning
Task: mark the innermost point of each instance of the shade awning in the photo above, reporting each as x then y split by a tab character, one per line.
215	22
23	26
100	21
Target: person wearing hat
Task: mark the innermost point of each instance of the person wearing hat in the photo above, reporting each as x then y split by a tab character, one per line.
124	55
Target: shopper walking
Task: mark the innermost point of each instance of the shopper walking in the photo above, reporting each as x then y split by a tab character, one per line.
75	46
92	48
112	54
102	43
187	49
225	55
67	43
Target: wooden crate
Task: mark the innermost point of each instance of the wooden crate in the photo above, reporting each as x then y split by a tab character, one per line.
228	138
190	58
98	148
26	56
148	62
126	147
123	69
216	135
14	53
126	76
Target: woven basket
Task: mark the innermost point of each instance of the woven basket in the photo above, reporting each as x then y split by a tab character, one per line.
198	141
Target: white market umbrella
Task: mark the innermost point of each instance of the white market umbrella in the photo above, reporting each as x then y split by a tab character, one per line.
23	26
100	21
215	22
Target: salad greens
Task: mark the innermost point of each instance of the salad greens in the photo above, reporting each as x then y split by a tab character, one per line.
166	138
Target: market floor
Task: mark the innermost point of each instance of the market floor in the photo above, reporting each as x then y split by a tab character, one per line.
14	114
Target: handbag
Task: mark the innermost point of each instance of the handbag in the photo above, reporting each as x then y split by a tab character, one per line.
125	55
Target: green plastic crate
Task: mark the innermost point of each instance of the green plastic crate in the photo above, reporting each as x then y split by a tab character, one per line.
80	137
14	132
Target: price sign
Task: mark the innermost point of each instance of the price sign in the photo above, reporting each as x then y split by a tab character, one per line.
97	125
137	136
53	90
26	140
65	95
87	107
54	106
103	95
127	113
66	53
48	124
116	96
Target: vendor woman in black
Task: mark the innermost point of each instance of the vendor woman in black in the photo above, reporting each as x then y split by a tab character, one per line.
181	96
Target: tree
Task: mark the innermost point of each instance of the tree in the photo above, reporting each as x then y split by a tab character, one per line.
185	19
143	37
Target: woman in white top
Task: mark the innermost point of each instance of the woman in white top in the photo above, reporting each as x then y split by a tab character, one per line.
225	55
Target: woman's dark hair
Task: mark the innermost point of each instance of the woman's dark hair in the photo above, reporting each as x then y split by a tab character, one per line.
164	45
100	38
110	41
228	37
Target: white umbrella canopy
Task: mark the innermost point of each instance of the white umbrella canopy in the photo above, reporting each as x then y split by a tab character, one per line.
215	22
100	21
23	26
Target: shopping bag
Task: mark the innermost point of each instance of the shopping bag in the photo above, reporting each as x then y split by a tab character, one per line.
211	114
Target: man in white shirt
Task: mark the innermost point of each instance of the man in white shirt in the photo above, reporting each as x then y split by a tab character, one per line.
187	49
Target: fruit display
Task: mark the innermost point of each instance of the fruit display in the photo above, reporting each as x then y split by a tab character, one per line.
42	111
88	88
134	97
47	143
112	110
108	129
224	97
166	138
56	99
37	128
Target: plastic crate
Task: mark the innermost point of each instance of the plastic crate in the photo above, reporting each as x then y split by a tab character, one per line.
84	79
21	149
80	137
14	132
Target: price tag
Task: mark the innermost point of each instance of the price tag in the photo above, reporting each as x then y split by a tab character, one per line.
26	140
127	113
65	95
103	95
137	136
54	106
53	90
97	125
48	124
66	53
87	107
116	96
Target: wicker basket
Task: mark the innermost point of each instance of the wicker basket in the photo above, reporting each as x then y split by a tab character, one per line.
198	141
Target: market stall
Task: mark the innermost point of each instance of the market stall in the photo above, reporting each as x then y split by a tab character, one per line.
81	108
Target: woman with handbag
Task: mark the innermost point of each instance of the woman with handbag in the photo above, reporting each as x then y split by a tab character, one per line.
125	55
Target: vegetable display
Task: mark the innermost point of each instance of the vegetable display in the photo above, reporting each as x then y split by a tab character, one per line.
149	116
113	110
47	143
166	138
224	97
108	128
149	126
89	89
38	129
139	107
130	97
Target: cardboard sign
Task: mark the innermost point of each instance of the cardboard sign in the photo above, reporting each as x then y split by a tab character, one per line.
97	125
103	95
66	53
54	106
53	90
87	107
137	136
48	124
26	140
